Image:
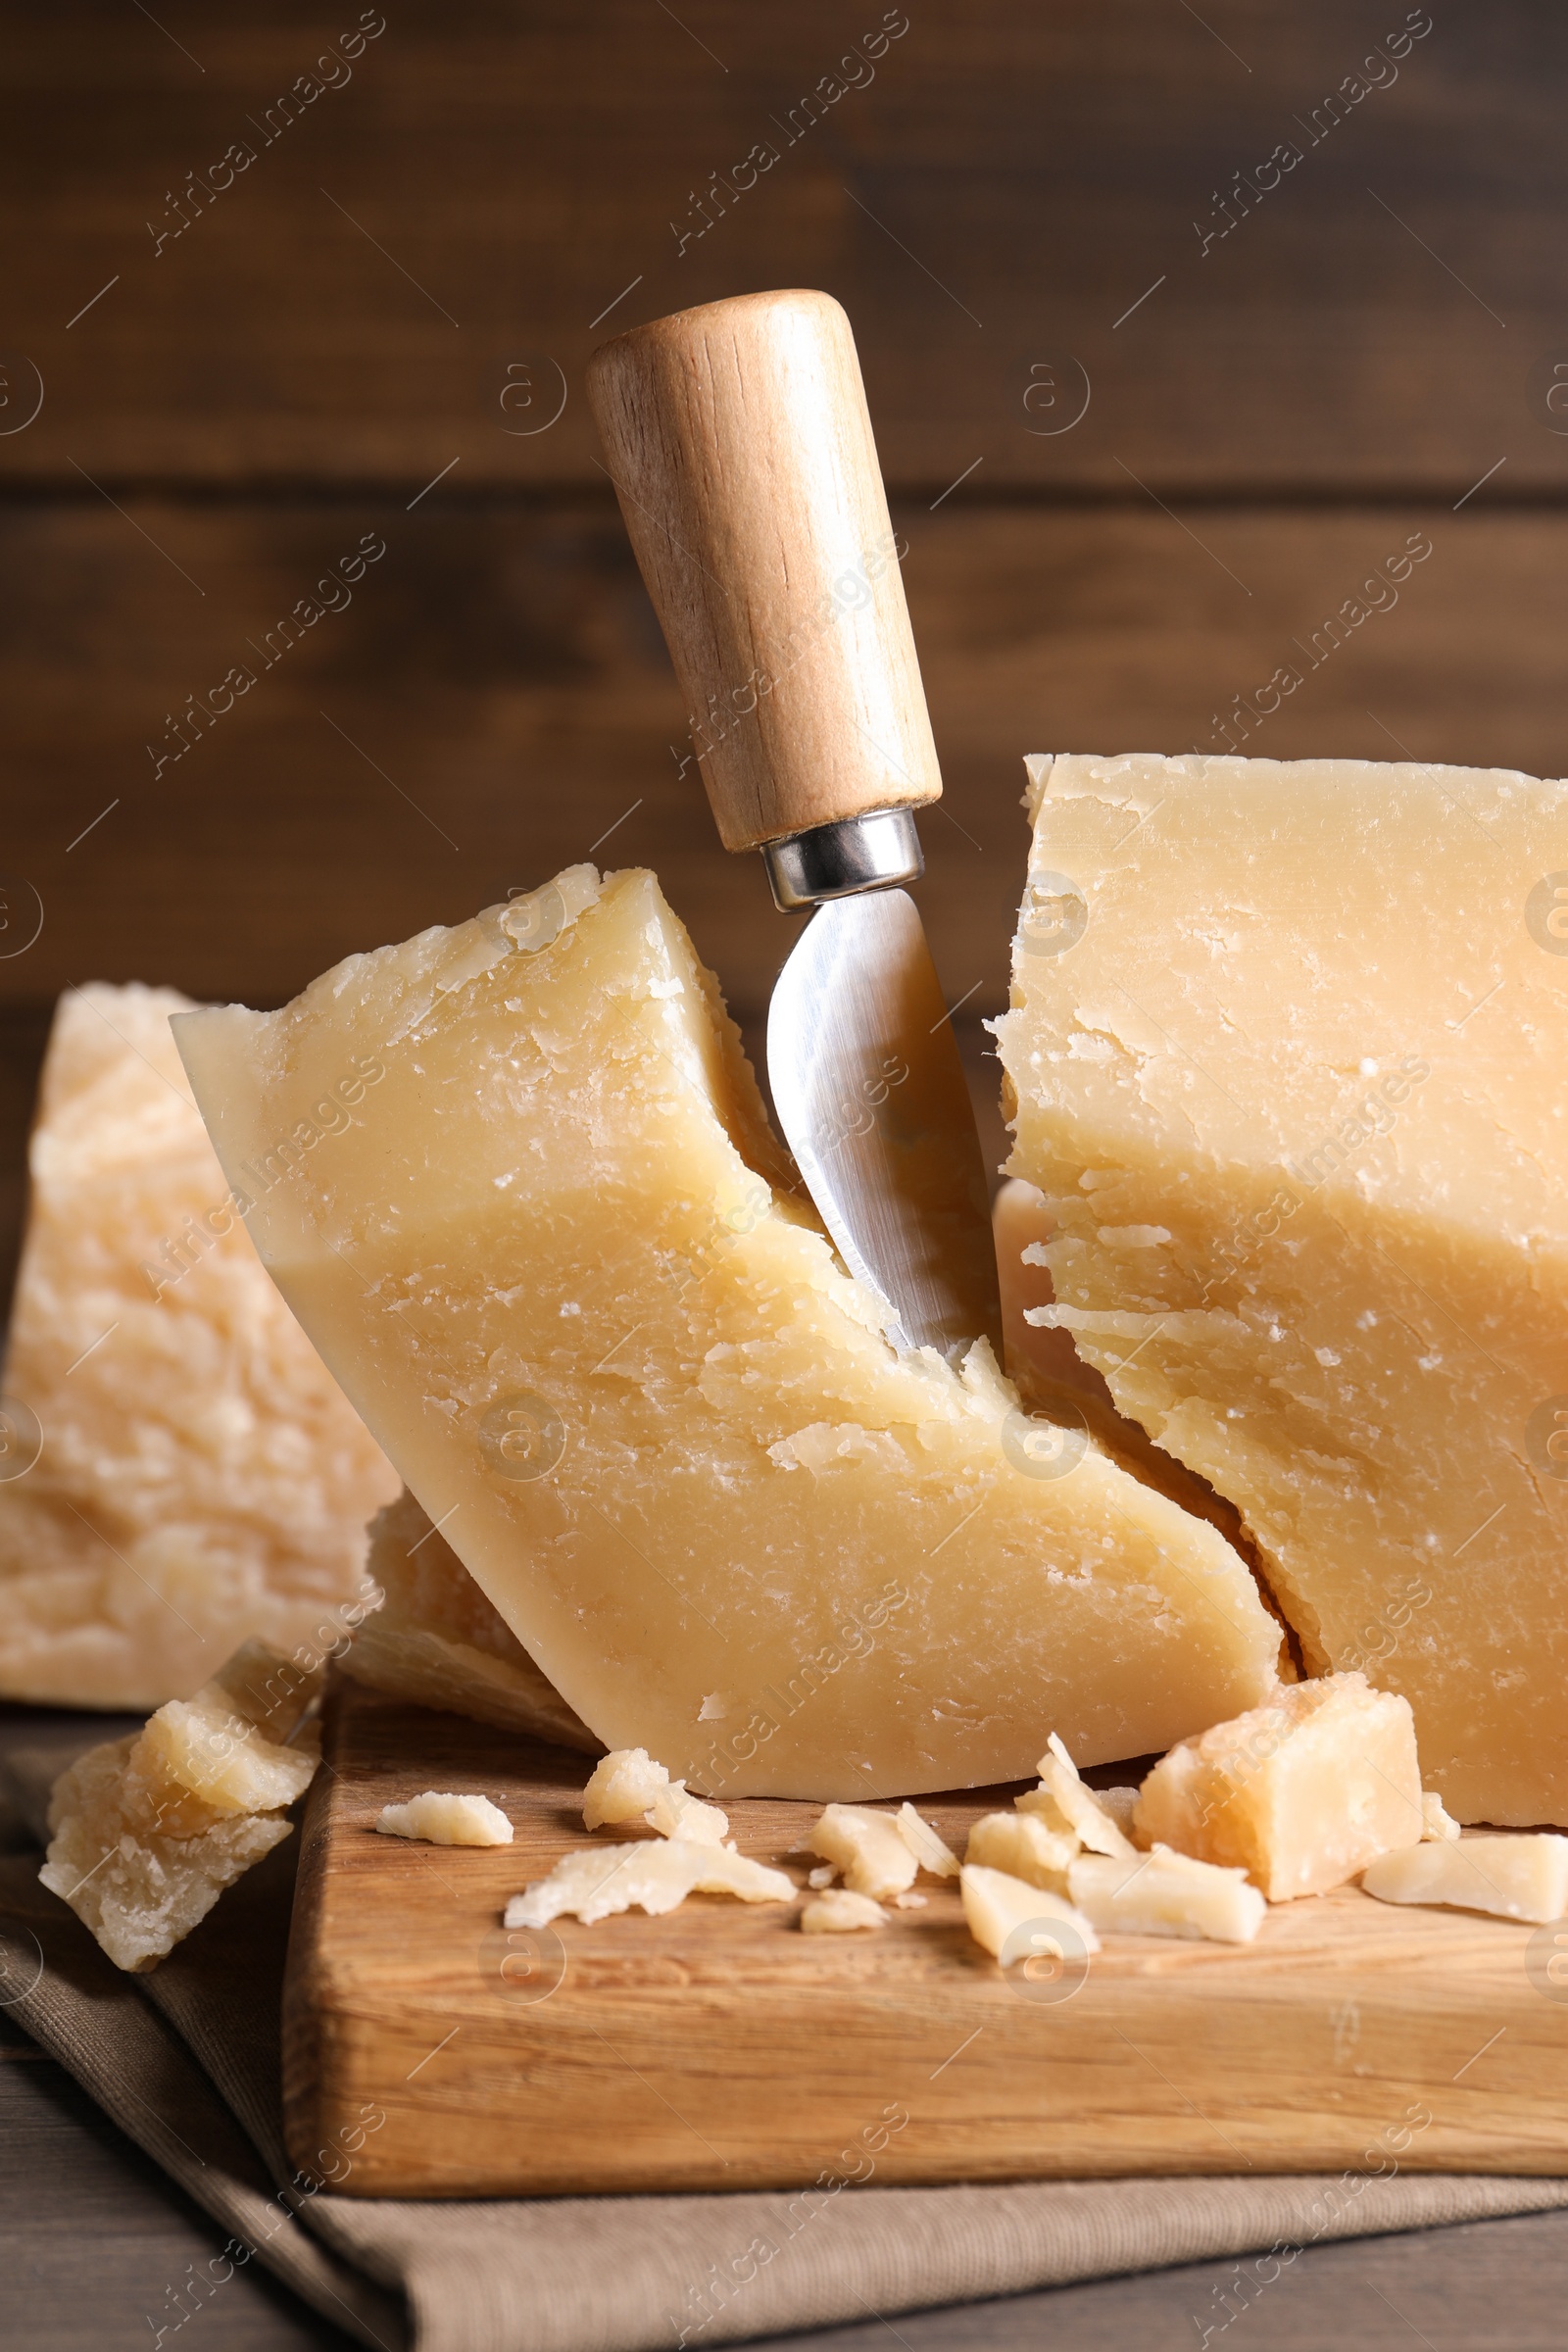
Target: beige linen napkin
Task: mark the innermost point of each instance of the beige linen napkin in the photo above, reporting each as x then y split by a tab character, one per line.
186	2061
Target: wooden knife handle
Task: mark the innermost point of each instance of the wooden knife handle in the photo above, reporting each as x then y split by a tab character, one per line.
741	450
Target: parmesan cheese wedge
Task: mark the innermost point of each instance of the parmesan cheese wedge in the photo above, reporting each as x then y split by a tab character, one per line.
1286	1051
146	1832
1164	1894
177	1468
653	1874
1008	1917
1515	1878
557	1267
1302	1794
441	1817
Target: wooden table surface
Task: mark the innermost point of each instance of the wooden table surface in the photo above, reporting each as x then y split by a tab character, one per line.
1154	403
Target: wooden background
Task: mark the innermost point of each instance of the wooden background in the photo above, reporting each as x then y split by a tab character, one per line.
404	284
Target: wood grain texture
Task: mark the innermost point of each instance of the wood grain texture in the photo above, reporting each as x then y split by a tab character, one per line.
743	458
496	702
415	265
718	2048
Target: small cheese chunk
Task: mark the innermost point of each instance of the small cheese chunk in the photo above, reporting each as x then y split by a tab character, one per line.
621	1787
1516	1878
1301	1792
1436	1819
1005	1914
1078	1806
867	1847
146	1832
1021	1844
653	1874
437	1640
911	1902
1164	1894
561	1267
933	1853
201	1475
841	1913
443	1818
1304	1141
823	1875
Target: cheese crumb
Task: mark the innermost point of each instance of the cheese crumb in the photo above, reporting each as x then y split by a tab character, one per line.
146	1832
841	1913
1065	1802
1436	1819
653	1874
933	1853
443	1818
867	1847
1005	1914
1515	1878
1164	1894
823	1875
1121	1804
1021	1844
911	1902
622	1787
628	1785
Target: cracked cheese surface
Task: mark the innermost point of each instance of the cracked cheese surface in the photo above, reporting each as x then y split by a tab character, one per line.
623	1372
1287	1044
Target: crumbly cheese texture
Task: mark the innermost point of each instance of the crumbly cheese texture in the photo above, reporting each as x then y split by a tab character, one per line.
146	1832
1301	1792
202	1478
1165	1894
1286	1051
629	1784
625	1373
1021	1844
1016	1921
445	1817
841	1913
1514	1878
870	1849
654	1874
436	1640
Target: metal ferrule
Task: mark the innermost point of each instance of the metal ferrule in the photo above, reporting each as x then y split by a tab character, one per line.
876	851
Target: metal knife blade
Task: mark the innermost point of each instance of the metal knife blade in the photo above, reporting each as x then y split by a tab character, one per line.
869	1089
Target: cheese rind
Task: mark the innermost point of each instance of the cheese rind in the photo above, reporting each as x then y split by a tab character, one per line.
653	1874
1301	1792
436	1640
201	1476
622	1371
1290	1081
1513	1877
445	1817
146	1832
1164	1894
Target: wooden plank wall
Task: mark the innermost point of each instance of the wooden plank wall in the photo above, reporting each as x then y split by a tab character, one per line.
1175	328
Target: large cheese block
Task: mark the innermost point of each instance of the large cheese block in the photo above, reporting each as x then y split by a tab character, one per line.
177	1469
1287	1051
556	1266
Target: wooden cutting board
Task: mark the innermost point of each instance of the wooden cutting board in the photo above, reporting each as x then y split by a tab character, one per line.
429	2053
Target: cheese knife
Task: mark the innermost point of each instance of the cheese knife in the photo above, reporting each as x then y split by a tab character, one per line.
740	445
